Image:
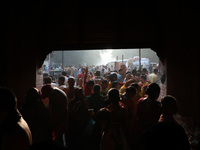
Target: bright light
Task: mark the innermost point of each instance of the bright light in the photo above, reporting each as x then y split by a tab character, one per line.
106	56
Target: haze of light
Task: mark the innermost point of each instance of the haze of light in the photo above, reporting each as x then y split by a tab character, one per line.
106	56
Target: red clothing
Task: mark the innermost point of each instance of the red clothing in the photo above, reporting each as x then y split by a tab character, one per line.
87	91
80	75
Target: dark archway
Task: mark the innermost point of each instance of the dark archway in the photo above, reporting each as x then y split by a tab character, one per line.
34	29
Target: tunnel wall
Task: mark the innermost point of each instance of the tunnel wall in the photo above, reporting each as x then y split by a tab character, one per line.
26	45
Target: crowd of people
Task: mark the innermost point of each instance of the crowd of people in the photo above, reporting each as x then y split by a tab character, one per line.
93	111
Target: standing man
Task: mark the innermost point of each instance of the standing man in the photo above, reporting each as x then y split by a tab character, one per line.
81	75
119	76
153	77
61	82
64	73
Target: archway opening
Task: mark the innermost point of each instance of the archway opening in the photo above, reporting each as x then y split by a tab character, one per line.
108	60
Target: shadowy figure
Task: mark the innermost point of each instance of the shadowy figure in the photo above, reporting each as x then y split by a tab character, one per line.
96	100
148	111
58	115
104	87
129	101
118	112
37	116
70	90
78	120
14	131
46	92
112	77
111	136
167	133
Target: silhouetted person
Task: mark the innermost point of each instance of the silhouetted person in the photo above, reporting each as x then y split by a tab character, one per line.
104	87
128	99
167	133
148	111
58	115
79	117
118	112
37	116
96	100
70	90
14	131
88	87
112	137
46	92
61	82
153	77
112	77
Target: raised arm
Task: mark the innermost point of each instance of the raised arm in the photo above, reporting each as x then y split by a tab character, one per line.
85	77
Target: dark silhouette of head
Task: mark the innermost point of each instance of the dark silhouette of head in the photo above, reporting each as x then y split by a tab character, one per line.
113	96
8	99
153	91
96	88
32	95
169	105
8	105
57	100
113	76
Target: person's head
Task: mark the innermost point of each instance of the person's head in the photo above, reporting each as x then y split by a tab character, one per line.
104	84
90	84
120	71
57	100
115	84
97	88
143	78
98	73
83	70
135	85
8	99
130	91
169	105
155	71
61	80
33	95
80	82
153	91
64	73
71	81
144	71
47	80
113	96
8	103
45	75
113	76
134	72
128	75
102	117
107	76
78	93
46	91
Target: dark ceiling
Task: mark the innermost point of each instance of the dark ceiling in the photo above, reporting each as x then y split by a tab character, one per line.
105	24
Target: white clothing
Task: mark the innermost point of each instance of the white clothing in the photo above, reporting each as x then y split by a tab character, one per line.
152	78
62	87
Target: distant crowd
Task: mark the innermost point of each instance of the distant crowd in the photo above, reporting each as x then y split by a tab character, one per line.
101	109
